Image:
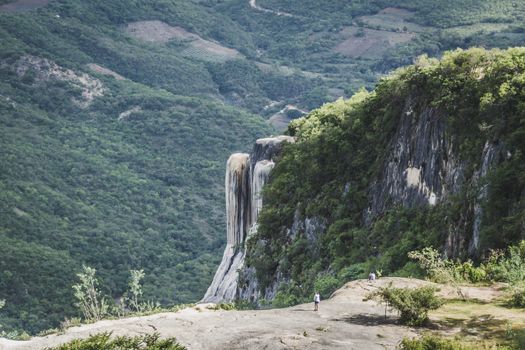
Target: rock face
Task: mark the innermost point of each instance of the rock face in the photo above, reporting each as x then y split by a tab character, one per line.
246	175
423	168
491	156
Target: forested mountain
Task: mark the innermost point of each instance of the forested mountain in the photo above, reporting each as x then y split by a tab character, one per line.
117	118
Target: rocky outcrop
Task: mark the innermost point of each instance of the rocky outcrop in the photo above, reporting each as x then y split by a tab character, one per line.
490	157
246	175
422	167
41	71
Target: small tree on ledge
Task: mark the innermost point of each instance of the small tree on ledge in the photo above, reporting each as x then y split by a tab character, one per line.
89	299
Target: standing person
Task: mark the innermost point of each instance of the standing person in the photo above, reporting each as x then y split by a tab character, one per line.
317	300
371	277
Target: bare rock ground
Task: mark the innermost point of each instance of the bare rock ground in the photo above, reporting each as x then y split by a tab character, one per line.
344	321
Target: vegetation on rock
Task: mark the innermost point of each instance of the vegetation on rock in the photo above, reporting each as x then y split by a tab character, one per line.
341	149
499	266
107	342
412	304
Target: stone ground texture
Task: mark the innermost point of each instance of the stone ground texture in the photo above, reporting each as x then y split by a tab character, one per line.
344	321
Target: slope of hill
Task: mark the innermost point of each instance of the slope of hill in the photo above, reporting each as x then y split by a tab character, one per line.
117	117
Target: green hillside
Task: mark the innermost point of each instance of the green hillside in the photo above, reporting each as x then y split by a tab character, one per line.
117	118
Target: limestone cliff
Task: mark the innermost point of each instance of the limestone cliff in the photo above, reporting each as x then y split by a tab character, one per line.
246	175
433	157
423	167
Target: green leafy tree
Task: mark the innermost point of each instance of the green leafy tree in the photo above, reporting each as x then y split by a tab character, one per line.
134	292
89	299
413	304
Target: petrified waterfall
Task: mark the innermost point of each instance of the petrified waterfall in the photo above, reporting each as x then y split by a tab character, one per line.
246	175
261	172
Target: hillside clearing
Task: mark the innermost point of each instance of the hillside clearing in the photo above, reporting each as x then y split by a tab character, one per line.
369	43
160	32
104	71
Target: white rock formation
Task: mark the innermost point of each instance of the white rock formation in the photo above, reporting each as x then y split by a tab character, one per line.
245	178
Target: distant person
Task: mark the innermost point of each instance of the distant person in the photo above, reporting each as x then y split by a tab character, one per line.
371	276
317	300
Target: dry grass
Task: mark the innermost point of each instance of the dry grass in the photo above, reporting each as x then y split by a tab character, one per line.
373	44
160	32
471	320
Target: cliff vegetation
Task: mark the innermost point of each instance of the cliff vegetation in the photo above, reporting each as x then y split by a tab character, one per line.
344	152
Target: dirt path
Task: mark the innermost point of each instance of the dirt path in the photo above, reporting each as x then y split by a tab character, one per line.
254	5
343	322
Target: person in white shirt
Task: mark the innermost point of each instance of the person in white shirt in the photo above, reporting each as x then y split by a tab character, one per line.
317	300
371	277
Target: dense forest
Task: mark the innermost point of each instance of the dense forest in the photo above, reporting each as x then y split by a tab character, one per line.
117	118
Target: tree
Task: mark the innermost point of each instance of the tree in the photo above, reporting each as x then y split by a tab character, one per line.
134	292
90	301
2	303
413	304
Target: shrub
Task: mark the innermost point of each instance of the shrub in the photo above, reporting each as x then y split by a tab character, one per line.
413	304
289	294
518	339
104	341
134	292
223	306
438	269
70	322
89	299
410	269
352	272
285	299
507	266
132	298
431	342
468	272
501	266
518	298
326	285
